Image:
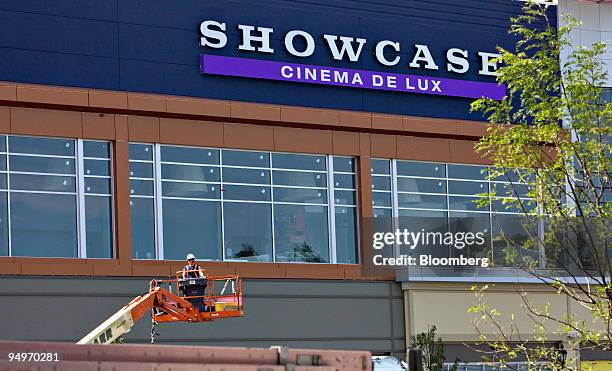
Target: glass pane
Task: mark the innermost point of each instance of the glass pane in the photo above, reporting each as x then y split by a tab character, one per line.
344	164
3	225
427	169
2	162
250	193
381	183
381	199
421	201
434	224
299	179
141	170
142	218
303	162
191	190
344	181
346	235
467	172
43	183
42	164
190	155
512	205
475	223
98	185
466	203
141	152
192	227
345	197
381	167
511	234
98	227
97	167
421	185
467	188
249	176
2	143
96	149
43	225
248	231
141	187
511	190
382	213
246	158
3	181
187	172
41	146
301	233
300	195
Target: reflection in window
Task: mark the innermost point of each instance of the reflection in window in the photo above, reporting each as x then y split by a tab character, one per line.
242	205
48	197
192	227
301	233
248	231
437	197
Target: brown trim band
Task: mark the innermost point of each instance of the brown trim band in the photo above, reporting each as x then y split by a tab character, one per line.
175	107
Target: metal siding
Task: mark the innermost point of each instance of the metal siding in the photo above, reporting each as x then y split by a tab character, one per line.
304	313
153	46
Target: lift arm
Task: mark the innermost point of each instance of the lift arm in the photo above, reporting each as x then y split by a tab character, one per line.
168	307
123	320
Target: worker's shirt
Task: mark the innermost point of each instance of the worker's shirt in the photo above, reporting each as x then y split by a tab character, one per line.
191	268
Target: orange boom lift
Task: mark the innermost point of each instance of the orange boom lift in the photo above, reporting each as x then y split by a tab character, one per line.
201	299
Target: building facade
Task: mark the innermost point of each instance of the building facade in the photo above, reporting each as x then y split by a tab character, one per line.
259	137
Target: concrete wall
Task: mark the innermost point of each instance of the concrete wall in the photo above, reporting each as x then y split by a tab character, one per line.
351	315
446	305
596	25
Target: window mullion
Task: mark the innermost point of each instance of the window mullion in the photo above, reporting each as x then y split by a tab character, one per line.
80	183
8	197
394	203
157	192
331	210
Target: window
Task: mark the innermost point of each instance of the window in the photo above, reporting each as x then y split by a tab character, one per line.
236	205
439	197
55	198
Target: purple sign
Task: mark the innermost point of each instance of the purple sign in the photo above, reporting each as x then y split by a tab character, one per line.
324	75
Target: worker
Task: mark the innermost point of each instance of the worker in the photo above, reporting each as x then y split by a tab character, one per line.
192	266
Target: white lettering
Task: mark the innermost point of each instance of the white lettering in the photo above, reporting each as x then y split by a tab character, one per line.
325	75
248	38
310	44
287	72
435	86
380	52
457	60
423	55
488	67
341	77
347	47
408	86
209	33
377	80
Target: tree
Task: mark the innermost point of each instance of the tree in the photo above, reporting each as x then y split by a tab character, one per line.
550	137
432	351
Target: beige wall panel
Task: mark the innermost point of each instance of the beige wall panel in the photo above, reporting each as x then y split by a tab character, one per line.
448	310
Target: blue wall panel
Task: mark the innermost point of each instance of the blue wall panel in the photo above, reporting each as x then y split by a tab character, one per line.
153	46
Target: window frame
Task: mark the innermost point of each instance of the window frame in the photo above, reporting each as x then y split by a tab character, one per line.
79	193
330	189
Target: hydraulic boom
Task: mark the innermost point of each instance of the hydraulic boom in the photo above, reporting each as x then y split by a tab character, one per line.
197	301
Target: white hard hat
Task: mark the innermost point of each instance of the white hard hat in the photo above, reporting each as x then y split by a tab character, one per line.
190	256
